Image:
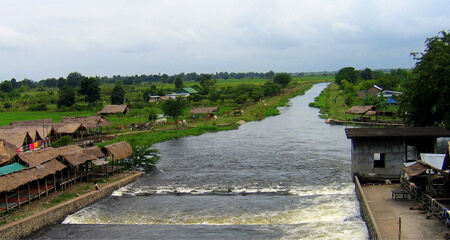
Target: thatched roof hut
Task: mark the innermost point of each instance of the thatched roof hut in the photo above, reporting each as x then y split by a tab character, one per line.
12	181
120	150
360	109
68	128
37	132
77	157
204	110
111	109
35	158
40	122
7	151
94	151
88	122
16	137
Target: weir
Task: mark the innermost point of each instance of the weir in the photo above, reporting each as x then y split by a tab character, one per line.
286	176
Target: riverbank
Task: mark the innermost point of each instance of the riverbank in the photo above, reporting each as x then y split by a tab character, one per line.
23	227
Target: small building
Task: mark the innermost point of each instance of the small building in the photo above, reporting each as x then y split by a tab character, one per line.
379	153
204	110
361	112
175	95
112	109
373	91
389	95
188	90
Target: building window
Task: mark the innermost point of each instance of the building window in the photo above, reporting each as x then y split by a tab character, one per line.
379	160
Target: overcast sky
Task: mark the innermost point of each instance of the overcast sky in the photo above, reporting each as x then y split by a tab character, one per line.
42	39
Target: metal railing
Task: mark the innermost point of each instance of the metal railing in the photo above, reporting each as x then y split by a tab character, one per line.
374	233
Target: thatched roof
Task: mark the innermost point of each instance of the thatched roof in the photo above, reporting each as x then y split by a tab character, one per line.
77	157
35	158
88	122
360	109
120	150
7	151
94	151
204	110
109	109
15	137
40	122
32	130
68	128
12	181
42	130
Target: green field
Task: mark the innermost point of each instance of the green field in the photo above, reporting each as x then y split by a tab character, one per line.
8	117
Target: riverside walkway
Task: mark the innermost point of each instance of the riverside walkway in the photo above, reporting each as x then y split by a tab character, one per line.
387	211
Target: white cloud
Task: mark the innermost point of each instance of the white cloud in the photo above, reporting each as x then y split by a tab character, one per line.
146	37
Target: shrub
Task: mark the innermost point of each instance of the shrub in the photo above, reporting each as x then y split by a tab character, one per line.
64	141
38	107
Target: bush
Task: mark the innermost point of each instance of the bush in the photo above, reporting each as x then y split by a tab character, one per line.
64	141
38	107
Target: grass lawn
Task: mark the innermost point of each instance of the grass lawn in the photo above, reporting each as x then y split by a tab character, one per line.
8	117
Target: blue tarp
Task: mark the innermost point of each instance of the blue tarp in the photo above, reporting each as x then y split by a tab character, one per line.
11	168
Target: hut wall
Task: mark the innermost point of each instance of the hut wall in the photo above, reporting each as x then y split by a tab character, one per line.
363	162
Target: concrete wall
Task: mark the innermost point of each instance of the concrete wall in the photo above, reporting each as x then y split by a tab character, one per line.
363	157
28	225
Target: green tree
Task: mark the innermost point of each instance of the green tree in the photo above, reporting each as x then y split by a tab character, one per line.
6	86
118	94
139	160
206	82
89	87
426	96
367	74
178	83
74	79
174	108
283	79
66	97
347	73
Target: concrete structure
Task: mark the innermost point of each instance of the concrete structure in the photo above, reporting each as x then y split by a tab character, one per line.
387	218
379	153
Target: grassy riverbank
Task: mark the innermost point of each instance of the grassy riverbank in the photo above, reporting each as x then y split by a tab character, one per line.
253	112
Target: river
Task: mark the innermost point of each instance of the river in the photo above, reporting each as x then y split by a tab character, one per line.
285	177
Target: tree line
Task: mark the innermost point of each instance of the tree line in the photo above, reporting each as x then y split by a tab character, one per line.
426	88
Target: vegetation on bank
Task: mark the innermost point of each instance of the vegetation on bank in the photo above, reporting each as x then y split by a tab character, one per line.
425	97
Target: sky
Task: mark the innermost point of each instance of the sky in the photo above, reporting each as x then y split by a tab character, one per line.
42	39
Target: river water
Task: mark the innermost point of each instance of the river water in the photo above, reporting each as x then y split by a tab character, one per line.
285	177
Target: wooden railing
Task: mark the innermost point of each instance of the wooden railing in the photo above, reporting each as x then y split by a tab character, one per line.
431	204
366	213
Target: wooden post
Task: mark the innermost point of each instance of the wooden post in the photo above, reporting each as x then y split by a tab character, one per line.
29	193
46	187
18	197
6	202
399	228
39	189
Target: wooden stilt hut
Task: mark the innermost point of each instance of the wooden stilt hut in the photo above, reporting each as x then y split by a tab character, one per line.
21	187
116	152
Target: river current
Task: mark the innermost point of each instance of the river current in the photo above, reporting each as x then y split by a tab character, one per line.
285	177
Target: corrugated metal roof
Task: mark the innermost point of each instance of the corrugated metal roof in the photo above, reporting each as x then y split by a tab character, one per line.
435	160
415	169
11	168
